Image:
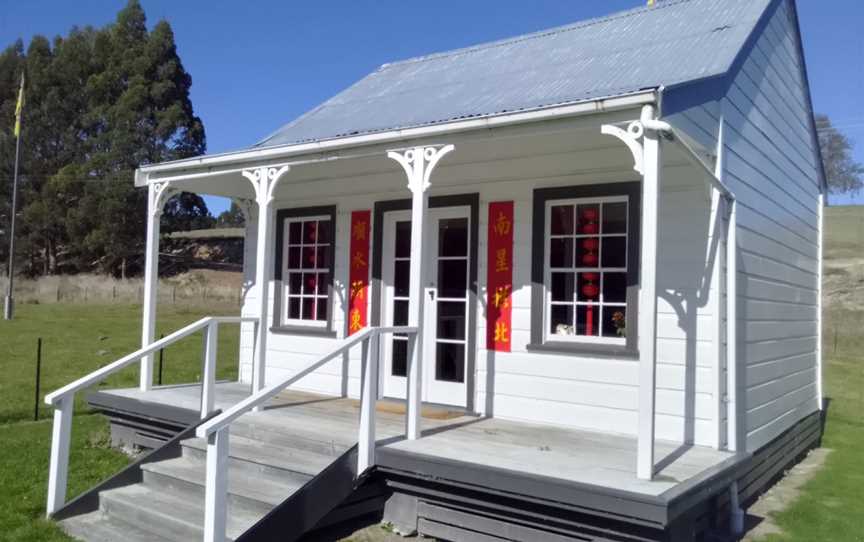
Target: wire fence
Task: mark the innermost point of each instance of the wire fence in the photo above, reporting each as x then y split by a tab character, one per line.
99	289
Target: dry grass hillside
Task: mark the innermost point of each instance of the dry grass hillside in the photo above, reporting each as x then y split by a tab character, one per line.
844	258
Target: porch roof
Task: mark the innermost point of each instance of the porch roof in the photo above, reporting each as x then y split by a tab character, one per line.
671	44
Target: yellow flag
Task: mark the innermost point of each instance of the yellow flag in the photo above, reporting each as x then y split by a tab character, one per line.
19	108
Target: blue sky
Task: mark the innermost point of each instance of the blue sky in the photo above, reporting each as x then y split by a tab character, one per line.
257	65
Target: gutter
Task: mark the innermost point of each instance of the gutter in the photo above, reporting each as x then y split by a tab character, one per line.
601	105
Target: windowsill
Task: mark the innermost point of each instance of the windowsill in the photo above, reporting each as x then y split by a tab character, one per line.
604	350
308	331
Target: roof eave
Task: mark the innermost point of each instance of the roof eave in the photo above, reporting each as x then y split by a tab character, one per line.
578	108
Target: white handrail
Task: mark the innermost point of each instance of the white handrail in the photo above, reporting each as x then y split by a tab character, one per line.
258	399
64	403
217	429
97	376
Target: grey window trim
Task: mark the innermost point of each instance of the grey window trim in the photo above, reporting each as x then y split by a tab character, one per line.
538	261
278	326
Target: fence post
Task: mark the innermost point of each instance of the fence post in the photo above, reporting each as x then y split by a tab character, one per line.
38	376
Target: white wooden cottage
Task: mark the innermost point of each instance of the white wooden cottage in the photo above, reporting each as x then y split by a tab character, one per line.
564	286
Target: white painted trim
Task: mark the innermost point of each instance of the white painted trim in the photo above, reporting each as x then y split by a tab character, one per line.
819	276
601	105
648	300
720	283
734	420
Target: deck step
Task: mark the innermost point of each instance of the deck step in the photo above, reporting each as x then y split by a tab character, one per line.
98	527
257	493
168	515
261	456
321	440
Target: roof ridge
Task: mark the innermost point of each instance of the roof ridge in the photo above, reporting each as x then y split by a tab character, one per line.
537	34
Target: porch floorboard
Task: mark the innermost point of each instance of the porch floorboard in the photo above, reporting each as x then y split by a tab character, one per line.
570	455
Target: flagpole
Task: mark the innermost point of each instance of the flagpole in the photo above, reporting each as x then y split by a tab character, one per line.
8	302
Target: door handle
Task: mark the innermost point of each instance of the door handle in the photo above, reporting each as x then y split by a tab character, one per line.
432	294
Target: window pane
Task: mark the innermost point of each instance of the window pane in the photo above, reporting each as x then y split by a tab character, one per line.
324	232
295	281
561	219
589	287
401	277
587	217
399	364
294	258
400	313
587	319
308	258
561	320
323	283
453	237
294	229
310	283
450	362
562	286
309	231
614	252
403	239
308	308
294	308
452	278
614	320
322	308
561	252
615	217
615	287
451	320
323	259
586	252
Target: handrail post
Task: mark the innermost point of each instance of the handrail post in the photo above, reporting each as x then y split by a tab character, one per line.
369	398
208	379
415	388
216	488
59	466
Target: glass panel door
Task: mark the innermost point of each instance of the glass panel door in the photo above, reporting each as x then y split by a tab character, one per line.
446	299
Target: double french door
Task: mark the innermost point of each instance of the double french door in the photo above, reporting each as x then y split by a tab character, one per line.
446	301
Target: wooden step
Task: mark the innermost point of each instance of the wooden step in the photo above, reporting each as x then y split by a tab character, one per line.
257	493
256	456
99	527
168	515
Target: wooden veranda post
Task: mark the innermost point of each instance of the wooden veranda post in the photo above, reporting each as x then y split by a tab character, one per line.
264	180
157	194
418	163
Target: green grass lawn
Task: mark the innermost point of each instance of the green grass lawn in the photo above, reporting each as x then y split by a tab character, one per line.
78	339
831	506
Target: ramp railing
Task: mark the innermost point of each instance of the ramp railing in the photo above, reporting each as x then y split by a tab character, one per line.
63	400
216	430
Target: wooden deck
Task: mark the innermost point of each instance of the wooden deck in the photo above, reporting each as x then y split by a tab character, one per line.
583	457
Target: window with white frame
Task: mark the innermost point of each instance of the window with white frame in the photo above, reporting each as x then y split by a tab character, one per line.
307	266
586	269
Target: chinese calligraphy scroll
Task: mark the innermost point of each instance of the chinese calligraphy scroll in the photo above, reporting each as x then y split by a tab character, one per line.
499	281
359	271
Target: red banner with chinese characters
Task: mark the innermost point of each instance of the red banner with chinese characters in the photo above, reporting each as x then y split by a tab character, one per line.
359	271
499	280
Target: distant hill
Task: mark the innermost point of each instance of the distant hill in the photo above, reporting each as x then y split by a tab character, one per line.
844	257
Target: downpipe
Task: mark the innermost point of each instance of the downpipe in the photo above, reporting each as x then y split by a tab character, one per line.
736	514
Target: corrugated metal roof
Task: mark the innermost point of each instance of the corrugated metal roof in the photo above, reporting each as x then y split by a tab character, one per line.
675	42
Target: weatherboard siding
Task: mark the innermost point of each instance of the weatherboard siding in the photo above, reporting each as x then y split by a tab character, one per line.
581	391
771	166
